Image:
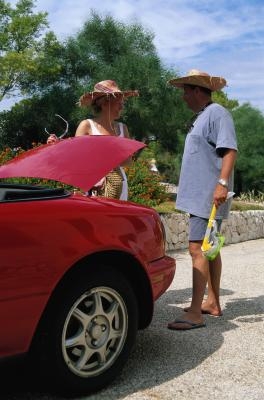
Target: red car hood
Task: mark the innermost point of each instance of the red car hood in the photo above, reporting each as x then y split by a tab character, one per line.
79	161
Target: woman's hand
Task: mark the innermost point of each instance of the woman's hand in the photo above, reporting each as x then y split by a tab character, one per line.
52	139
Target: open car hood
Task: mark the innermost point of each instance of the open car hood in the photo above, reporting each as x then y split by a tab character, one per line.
79	161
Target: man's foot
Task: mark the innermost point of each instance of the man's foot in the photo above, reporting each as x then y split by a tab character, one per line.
185	325
190	320
209	310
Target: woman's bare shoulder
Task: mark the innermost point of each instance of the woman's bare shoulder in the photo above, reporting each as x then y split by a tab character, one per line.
84	128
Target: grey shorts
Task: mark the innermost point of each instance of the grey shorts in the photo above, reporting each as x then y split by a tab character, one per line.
197	227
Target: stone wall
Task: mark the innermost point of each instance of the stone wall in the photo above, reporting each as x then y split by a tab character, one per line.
239	227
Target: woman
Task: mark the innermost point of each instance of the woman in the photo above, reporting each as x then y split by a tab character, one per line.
107	102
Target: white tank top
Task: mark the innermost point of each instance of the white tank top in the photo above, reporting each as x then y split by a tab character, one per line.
95	131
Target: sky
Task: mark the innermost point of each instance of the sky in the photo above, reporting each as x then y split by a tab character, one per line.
224	37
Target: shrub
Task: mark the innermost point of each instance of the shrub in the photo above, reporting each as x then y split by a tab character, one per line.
144	186
7	154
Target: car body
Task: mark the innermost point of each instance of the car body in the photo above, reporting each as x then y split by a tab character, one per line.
79	277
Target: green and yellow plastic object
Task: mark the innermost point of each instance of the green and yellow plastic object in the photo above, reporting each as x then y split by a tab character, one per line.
213	240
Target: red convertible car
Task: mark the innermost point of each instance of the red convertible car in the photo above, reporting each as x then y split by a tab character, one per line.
79	274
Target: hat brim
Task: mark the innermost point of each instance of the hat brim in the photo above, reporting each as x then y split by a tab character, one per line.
212	83
87	99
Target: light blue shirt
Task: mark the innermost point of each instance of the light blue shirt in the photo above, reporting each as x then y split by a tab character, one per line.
212	131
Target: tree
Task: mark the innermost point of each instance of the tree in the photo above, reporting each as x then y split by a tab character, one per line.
107	49
221	98
26	54
249	124
25	123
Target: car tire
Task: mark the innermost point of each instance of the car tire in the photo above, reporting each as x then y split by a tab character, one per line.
90	332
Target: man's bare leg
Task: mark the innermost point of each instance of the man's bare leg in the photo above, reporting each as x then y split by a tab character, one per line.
200	276
212	304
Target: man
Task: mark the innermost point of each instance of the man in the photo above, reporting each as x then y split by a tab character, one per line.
206	177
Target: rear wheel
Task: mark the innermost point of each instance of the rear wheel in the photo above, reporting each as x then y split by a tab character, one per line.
93	329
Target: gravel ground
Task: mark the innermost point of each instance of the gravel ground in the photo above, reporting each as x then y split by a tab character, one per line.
222	361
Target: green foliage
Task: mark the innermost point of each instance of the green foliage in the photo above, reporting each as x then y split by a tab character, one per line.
103	49
35	181
221	98
249	124
166	207
237	205
144	185
8	154
108	49
26	54
168	163
26	122
169	166
244	206
252	196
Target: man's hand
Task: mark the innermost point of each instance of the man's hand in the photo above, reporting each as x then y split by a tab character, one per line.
220	195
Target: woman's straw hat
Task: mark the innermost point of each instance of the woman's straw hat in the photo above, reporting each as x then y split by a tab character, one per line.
199	78
105	89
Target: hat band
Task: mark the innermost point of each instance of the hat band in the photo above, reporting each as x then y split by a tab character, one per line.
105	89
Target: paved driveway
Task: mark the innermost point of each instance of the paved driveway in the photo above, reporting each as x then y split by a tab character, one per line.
222	361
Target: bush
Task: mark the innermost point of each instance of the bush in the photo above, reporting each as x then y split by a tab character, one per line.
7	154
143	185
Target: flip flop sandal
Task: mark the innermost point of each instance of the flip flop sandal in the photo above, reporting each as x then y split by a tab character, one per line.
191	325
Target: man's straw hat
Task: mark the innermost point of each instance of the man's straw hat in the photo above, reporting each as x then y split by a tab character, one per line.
199	78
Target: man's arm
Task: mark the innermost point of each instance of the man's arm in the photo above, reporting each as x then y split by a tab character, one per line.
220	193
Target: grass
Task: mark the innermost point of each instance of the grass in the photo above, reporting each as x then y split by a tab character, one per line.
240	205
237	205
252	196
166	207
